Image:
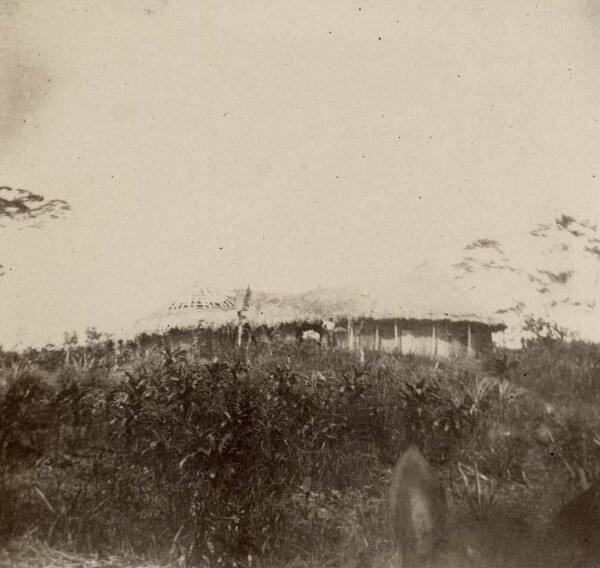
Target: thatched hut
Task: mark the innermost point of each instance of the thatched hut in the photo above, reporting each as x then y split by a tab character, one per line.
424	314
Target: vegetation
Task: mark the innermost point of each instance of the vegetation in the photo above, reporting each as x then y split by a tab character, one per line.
26	207
548	274
281	455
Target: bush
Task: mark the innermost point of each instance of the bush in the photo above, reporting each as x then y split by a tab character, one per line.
282	455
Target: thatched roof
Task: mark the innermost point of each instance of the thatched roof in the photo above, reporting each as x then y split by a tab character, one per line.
341	303
198	306
425	294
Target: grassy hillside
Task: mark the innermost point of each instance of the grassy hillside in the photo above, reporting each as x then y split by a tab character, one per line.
281	457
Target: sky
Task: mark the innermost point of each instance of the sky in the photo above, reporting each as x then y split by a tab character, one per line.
284	145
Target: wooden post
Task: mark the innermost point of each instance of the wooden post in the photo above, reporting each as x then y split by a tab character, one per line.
357	333
469	341
376	337
396	342
242	318
351	344
433	341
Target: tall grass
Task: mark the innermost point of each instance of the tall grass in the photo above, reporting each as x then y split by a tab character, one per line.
278	454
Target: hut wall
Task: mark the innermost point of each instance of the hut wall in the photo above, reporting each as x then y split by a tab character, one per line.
341	339
453	339
367	341
481	339
450	339
417	338
368	335
388	341
443	338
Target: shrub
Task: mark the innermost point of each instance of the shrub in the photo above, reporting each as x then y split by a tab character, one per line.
279	454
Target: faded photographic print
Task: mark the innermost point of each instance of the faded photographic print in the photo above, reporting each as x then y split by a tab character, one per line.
299	284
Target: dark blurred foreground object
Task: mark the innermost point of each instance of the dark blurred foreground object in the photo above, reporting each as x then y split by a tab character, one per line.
418	517
575	531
